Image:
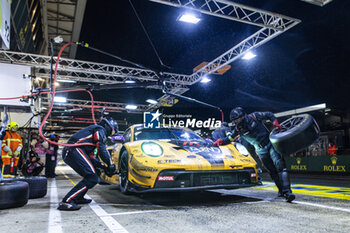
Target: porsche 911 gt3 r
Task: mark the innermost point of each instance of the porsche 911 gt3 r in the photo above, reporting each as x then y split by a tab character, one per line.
177	159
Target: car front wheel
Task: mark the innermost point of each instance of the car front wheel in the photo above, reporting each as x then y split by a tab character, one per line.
123	173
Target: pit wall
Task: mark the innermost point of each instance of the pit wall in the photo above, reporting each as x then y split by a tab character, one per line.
337	164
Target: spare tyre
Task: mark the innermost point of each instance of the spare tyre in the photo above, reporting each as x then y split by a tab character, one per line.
296	134
13	193
37	185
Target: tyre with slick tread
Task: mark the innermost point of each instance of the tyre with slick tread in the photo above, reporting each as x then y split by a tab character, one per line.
37	185
124	172
296	134
13	193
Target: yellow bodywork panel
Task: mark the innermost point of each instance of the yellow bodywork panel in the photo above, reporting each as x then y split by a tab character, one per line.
144	169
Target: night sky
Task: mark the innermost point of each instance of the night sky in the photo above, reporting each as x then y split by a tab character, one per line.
309	64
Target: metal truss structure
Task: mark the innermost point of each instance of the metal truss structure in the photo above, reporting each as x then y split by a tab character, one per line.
98	105
271	25
318	2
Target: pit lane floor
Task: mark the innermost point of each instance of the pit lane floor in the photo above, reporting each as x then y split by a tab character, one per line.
318	208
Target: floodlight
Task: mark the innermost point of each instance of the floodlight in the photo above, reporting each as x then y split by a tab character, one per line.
189	18
151	101
248	55
205	79
131	107
60	99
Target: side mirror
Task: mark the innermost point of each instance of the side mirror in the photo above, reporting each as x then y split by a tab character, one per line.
118	139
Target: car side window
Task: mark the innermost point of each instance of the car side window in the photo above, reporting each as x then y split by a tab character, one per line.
127	135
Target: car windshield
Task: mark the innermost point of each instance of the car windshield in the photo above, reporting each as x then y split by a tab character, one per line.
165	133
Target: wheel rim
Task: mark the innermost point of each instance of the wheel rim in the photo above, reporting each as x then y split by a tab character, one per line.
123	175
289	124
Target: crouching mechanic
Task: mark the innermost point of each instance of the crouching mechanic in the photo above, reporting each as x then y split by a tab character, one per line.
250	128
81	159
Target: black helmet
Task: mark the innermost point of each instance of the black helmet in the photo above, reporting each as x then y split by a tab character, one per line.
109	123
236	113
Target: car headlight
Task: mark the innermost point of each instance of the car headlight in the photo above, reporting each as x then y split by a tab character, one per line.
151	149
241	149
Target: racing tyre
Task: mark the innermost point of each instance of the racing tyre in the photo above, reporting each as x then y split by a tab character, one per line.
37	185
296	134
13	194
123	173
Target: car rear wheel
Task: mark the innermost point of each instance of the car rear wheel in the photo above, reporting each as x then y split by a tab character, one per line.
123	173
296	134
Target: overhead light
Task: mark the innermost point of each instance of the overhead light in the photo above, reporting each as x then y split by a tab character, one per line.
60	99
130	81
131	107
248	55
151	101
57	84
189	18
65	81
205	79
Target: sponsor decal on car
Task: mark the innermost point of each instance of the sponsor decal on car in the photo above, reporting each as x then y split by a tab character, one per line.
166	178
169	161
245	160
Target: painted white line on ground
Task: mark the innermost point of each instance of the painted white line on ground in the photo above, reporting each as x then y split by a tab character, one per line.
322	206
129	205
111	223
138	212
55	225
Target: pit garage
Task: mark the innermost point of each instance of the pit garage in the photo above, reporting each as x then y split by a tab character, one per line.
174	116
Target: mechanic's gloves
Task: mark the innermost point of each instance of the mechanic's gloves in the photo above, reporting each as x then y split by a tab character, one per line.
276	124
111	170
16	153
9	153
218	142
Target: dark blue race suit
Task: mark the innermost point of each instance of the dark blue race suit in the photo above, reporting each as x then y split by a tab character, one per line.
254	132
78	158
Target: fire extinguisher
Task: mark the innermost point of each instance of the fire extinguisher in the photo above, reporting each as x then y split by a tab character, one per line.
12	165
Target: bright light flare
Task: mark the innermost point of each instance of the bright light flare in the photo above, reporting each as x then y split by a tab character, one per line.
130	81
60	99
205	80
189	18
248	56
131	107
151	101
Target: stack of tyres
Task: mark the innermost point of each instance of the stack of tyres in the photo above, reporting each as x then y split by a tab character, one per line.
13	193
37	185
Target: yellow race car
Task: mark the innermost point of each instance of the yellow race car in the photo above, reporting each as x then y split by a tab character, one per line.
177	159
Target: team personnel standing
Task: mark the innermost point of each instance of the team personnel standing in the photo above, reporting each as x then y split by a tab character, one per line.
10	150
81	159
250	128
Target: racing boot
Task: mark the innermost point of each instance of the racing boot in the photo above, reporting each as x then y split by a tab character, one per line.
276	179
68	206
285	181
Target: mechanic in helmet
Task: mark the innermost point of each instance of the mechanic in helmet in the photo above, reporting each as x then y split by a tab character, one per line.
81	159
10	150
251	128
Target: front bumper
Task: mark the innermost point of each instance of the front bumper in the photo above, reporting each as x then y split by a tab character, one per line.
200	180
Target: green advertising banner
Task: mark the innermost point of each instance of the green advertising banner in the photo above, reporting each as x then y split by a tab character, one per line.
333	164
